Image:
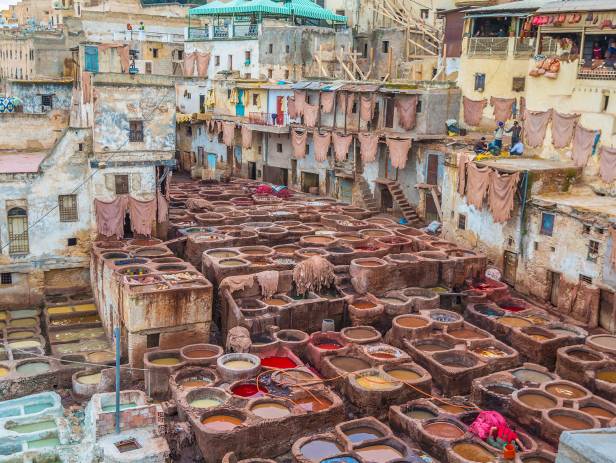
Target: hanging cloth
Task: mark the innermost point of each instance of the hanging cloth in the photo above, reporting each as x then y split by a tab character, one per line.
321	145
407	111
234	97
398	151
189	64
607	164
218	127
110	216
210	99
300	101
501	193
502	108
163	207
462	162
477	182
366	107
563	126
613	256
228	133
203	62
298	139
292	110
522	112
246	137
86	86
311	114
535	126
368	145
124	53
142	214
346	101
583	140
473	111
327	101
341	145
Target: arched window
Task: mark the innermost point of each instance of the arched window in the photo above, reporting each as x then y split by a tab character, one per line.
18	231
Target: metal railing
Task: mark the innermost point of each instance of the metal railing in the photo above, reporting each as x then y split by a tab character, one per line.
524	47
488	46
221	32
245	30
147	36
586	73
200	33
549	46
271	119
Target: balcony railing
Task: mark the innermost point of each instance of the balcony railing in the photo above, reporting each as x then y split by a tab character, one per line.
245	30
602	73
221	32
271	119
129	36
549	46
224	32
524	47
488	46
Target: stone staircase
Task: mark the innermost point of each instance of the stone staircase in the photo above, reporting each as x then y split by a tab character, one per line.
366	194
408	211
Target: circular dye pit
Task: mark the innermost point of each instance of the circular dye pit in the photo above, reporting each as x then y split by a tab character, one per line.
231	263
319	449
607	342
379	453
375	383
444	429
451	408
249	390
23	323
33	368
26	344
270	410
90	379
444	317
536	400
514	322
363	304
23	313
200	353
222	254
313	403
362	433
221	423
238	365
384	354
392	300
20	334
195	382
100	357
569	422
277	362
598	412
360	333
275	301
527	375
403	374
328	344
489	352
412	322
585	355
206	402
566	391
349	364
165	361
465	333
609	376
420	413
473	452
501	389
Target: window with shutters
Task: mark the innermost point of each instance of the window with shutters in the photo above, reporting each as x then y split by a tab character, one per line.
547	224
121	184
18	231
135	131
480	82
47	101
518	84
593	251
67	205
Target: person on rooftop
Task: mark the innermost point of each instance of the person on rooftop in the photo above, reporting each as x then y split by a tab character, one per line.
517	149
481	146
497	144
516	131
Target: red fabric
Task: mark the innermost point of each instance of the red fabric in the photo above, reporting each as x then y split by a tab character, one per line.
228	133
110	216
203	62
485	421
473	111
563	126
341	145
583	139
86	86
246	137
535	125
298	139
327	101
189	64
300	101
311	114
368	146
366	107
398	151
501	194
502	108
142	214
321	145
607	164
407	111
477	182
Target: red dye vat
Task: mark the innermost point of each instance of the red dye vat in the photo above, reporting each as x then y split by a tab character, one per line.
249	390
512	308
278	362
329	345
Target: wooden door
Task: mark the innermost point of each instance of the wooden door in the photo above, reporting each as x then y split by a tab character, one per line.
554	288
510	267
432	174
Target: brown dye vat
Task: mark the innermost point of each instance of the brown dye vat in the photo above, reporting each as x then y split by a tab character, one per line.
275	301
608	342
378	453
465	333
539	337
500	389
489	352
221	423
23	323
514	322
420	414
537	401
319	449
383	355
609	376
369	263
319	239
411	322
570	422
565	391
200	353
430	347
584	355
222	254
314	404
473	452
255	252
535	320
286	249
195	383
444	429
349	364
359	333
375	233
597	411
270	410
450	408
75	320
403	374
232	263
363	305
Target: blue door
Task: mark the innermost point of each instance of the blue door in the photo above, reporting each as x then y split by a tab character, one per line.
211	161
239	106
91	56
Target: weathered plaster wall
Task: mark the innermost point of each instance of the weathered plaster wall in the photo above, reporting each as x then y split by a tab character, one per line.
231	56
32	132
30	94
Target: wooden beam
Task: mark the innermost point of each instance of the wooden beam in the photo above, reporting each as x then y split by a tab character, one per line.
348	71
437	203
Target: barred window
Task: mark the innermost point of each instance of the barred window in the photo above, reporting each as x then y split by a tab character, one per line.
67	204
6	278
18	231
121	184
136	131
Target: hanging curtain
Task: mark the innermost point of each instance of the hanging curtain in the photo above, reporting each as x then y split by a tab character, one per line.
535	125
228	133
189	64
501	193
607	164
327	101
463	160
473	111
110	216
163	207
407	111
366	107
502	108
311	114
398	151
345	101
563	126
583	140
142	214
203	62
300	101
292	110
368	145
477	182
298	139
341	145
246	137
321	145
